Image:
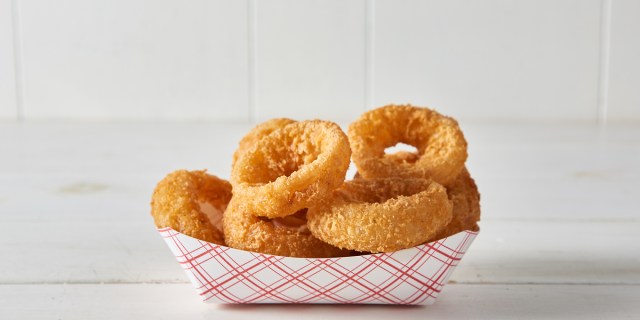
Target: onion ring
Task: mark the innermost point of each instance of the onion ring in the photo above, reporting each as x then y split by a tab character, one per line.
440	144
192	203
282	236
293	168
463	192
259	131
381	215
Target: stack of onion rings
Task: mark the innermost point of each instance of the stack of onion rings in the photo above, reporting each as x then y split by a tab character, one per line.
289	196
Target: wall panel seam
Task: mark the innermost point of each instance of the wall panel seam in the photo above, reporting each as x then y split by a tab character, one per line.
252	59
17	60
604	63
369	34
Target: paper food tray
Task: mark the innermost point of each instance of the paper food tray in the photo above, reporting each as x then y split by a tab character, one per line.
413	276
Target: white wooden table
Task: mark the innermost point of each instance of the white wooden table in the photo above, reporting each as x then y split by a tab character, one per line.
560	225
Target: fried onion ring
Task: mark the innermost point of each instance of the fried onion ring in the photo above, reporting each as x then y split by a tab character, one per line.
440	144
191	202
293	168
259	131
381	215
466	205
282	236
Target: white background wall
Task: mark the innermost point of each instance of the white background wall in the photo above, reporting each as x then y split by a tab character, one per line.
230	60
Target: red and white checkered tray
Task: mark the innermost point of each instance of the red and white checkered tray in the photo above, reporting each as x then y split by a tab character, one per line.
226	275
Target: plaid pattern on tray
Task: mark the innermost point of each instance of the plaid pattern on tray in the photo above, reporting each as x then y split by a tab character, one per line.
226	275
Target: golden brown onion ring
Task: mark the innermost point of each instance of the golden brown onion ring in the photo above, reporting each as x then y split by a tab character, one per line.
282	236
381	215
440	144
291	169
181	201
